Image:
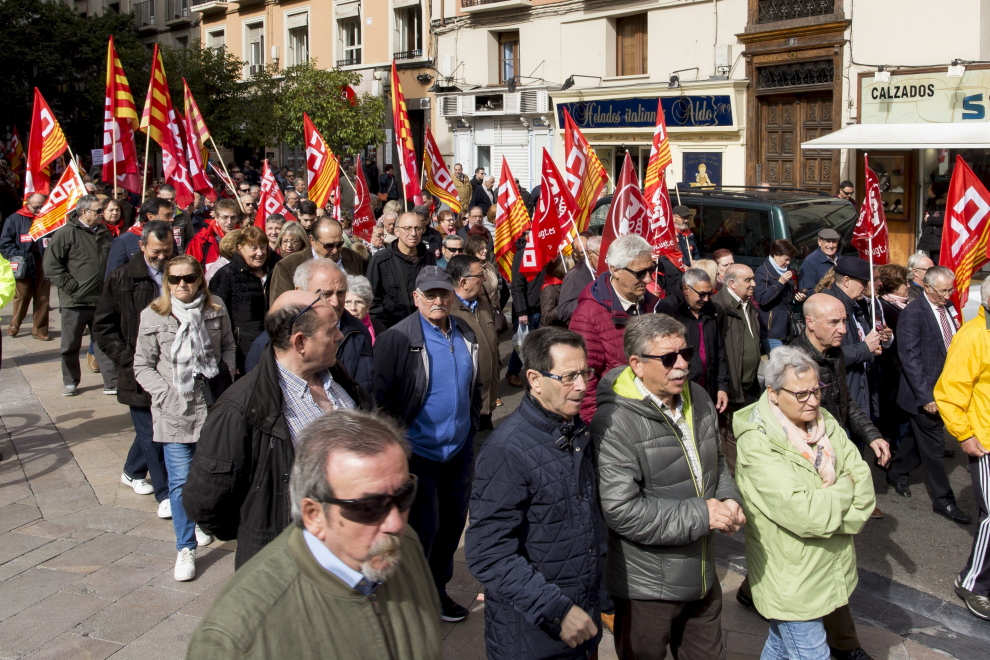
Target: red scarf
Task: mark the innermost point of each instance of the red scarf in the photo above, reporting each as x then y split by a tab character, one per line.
550	280
113	229
684	232
26	212
135	229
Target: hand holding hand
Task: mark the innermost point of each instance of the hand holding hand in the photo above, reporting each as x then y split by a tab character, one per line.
577	627
719	516
738	517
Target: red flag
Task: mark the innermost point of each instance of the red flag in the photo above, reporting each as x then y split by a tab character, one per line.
585	175
225	179
181	178
403	139
511	221
120	120
15	157
322	168
629	213
547	238
567	210
439	182
45	143
194	127
65	195
871	224
967	225
271	200
364	217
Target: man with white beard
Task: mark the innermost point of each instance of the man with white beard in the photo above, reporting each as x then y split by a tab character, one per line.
349	561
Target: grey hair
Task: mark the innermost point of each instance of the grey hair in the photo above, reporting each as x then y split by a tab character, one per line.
86	200
915	259
595	244
310	268
389	213
784	358
626	249
985	292
489	178
693	276
642	330
357	432
935	272
360	286
452	237
158	228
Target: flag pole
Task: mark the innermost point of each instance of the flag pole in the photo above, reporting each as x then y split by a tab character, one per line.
113	152
237	195
147	146
676	190
344	174
873	293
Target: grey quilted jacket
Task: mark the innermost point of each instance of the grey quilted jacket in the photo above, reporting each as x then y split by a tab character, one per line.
660	546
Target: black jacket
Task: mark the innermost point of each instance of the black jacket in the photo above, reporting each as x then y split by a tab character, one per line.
433	240
536	539
774	300
76	262
525	294
888	365
481	198
859	358
832	372
238	484
713	375
931	228
126	293
393	280
688	246
921	348
246	300
11	245
574	283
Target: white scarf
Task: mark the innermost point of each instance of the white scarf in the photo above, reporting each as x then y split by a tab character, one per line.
192	351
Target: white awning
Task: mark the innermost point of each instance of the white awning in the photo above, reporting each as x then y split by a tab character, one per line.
966	135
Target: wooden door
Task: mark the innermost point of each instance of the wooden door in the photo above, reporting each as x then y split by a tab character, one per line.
779	139
816	121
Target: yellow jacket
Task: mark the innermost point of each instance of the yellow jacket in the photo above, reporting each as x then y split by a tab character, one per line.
963	390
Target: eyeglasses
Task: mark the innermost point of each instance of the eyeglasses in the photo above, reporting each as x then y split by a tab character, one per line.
668	360
291	242
459	250
374	508
319	297
568	379
440	295
411	228
192	278
701	294
942	292
226	217
806	394
640	274
331	246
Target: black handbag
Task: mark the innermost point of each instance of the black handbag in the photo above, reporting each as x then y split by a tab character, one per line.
215	386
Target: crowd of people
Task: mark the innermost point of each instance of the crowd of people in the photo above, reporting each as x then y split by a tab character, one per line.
327	401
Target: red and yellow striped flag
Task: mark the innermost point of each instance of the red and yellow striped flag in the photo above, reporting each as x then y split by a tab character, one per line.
120	120
15	157
65	195
45	144
660	154
119	89
322	168
511	221
196	153
154	117
438	180
403	138
585	175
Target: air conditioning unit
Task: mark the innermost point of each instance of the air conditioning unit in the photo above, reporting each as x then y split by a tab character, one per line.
534	101
467	106
510	103
449	106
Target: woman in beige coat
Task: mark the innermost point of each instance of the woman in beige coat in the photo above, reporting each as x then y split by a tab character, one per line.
184	337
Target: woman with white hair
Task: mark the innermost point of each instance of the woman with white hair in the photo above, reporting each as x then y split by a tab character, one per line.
806	491
358	303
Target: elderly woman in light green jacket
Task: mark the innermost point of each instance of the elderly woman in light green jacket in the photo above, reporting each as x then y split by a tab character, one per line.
806	491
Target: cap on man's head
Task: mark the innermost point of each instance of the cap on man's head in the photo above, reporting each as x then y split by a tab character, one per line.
853	267
434	277
682	211
829	234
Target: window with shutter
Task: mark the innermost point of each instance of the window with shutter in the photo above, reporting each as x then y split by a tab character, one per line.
508	55
631	43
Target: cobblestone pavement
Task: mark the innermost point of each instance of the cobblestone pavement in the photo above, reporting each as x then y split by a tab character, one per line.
86	565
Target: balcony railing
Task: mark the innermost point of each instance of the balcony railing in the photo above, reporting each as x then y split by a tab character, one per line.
408	54
478	3
772	11
349	61
144	14
176	9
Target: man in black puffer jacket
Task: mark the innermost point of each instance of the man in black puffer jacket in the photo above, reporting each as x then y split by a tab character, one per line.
536	539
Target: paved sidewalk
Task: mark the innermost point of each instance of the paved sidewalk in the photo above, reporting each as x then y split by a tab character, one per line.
86	565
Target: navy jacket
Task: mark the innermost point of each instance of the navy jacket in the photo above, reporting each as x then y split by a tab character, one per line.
689	247
921	348
480	198
122	249
536	539
813	270
15	226
713	375
353	351
774	300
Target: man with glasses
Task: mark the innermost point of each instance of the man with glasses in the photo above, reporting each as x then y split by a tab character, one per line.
664	489
75	262
578	278
237	479
476	218
292	201
536	538
393	271
925	329
182	225
917	265
453	245
32	287
377	239
692	306
250	205
327	242
348	561
205	246
606	307
426	377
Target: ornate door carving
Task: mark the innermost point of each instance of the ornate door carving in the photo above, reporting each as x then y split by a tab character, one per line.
786	122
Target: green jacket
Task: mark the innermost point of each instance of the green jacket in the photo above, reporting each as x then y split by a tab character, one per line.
76	261
799	536
283	604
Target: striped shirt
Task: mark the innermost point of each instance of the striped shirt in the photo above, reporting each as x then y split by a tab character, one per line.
677	415
300	409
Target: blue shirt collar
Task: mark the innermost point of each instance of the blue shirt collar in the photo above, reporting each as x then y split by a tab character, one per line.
469	305
429	327
330	562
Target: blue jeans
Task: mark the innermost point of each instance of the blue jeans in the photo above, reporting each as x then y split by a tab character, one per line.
178	456
145	456
770	344
515	362
796	640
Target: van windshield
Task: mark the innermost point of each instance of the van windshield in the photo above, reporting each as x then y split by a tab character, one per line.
806	219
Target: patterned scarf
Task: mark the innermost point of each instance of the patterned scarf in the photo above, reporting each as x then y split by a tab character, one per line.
813	444
900	302
192	351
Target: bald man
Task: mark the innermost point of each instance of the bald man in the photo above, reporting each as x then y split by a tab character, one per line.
255	424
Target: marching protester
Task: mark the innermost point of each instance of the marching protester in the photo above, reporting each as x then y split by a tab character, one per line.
664	489
893	290
535	481
228	244
525	307
723	259
182	226
451	246
686	241
326	243
553	277
577	279
347	578
205	246
291	239
185	348
818	263
75	262
358	302
476	246
32	287
251	433
126	243
917	265
393	272
426	376
774	291
273	227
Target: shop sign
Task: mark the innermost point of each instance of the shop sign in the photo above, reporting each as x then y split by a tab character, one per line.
678	112
922	98
702	169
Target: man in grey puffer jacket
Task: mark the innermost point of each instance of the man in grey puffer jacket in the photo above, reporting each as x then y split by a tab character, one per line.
664	488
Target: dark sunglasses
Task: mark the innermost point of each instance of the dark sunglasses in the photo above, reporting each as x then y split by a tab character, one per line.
640	274
374	508
454	250
188	279
331	246
319	297
701	294
668	360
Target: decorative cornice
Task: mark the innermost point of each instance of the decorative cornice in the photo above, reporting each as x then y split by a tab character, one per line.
837	28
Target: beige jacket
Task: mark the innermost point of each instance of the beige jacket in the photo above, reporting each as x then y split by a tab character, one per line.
174	417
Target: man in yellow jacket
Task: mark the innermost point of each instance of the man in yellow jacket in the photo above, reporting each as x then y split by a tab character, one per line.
963	397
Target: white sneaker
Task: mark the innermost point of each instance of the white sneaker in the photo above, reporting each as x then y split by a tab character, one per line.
202	538
140	486
185	565
165	509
